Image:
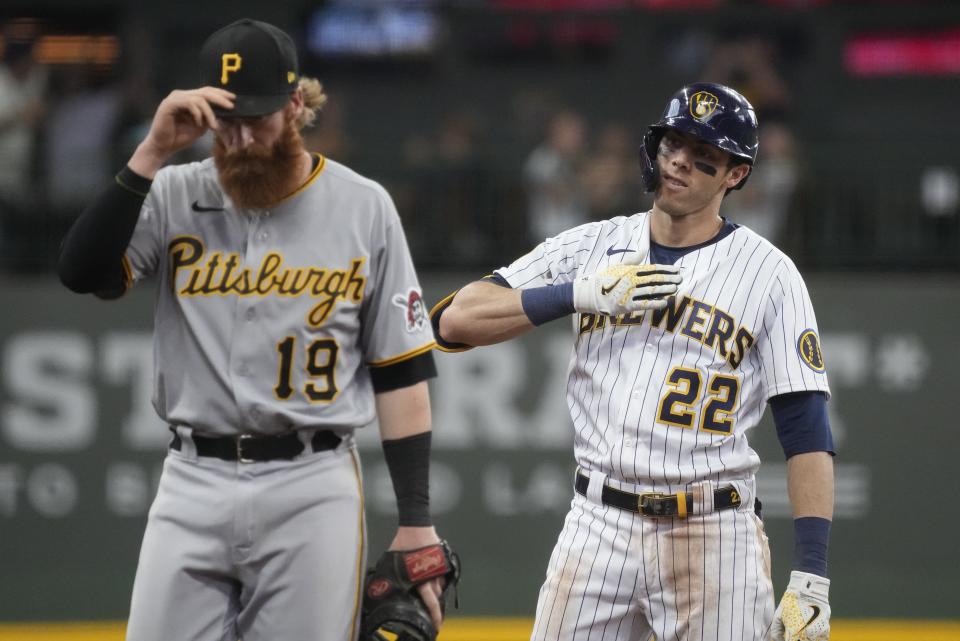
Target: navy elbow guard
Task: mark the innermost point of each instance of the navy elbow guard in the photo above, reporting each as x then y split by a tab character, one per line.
802	423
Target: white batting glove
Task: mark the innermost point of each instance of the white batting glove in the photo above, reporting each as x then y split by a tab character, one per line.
804	612
625	288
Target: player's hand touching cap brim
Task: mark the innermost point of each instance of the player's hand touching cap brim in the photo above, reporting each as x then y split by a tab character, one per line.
182	117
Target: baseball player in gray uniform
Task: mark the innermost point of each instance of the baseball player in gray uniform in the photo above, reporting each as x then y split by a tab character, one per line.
288	314
684	327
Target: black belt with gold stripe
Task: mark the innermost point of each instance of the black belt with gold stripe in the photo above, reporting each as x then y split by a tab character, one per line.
656	504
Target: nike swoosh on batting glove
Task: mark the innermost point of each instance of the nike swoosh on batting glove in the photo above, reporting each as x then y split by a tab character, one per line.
625	288
804	610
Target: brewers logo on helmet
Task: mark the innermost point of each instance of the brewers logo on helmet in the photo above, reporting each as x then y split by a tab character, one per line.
713	113
702	104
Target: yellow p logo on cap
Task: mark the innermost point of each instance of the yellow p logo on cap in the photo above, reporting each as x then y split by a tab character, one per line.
230	62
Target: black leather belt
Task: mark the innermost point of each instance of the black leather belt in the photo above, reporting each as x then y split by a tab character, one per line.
248	448
655	504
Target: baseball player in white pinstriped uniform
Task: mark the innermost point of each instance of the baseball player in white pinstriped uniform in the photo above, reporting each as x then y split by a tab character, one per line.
288	314
685	326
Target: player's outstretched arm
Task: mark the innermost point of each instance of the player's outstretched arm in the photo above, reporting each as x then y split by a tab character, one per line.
804	611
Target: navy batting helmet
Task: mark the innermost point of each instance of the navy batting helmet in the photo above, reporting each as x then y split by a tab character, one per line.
713	113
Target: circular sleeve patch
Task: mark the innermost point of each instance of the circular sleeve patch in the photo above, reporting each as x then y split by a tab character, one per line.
808	346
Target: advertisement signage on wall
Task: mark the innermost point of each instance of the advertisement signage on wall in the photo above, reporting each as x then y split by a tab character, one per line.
81	450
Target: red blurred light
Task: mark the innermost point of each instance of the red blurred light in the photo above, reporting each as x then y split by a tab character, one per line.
677	4
560	5
902	54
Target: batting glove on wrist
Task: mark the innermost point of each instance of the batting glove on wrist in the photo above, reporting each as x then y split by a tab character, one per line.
804	610
625	288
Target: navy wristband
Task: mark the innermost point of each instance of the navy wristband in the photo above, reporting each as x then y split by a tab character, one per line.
811	535
547	303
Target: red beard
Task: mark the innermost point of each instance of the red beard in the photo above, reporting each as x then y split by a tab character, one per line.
259	176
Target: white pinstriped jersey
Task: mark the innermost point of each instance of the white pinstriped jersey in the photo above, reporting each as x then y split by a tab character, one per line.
667	396
269	320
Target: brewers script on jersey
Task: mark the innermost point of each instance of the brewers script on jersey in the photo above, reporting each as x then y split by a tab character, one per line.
659	401
259	327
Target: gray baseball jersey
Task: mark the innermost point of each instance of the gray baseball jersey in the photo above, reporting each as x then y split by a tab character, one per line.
268	320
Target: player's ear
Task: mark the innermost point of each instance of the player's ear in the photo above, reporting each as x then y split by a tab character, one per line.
296	105
737	174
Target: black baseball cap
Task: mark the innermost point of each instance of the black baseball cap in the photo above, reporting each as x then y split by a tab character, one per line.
254	60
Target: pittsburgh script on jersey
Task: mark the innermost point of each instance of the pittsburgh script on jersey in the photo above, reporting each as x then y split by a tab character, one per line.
217	274
693	318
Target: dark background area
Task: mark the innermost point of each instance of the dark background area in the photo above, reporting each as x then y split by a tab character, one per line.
445	102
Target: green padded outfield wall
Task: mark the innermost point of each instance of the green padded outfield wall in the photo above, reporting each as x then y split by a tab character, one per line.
80	450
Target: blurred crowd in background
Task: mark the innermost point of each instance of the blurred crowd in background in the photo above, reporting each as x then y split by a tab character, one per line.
479	182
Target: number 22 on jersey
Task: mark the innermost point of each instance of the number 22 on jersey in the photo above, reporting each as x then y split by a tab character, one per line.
684	386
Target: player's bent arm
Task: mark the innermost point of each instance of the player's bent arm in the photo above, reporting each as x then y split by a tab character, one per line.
483	313
181	118
92	253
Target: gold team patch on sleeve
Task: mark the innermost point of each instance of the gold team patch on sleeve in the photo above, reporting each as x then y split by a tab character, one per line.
808	346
